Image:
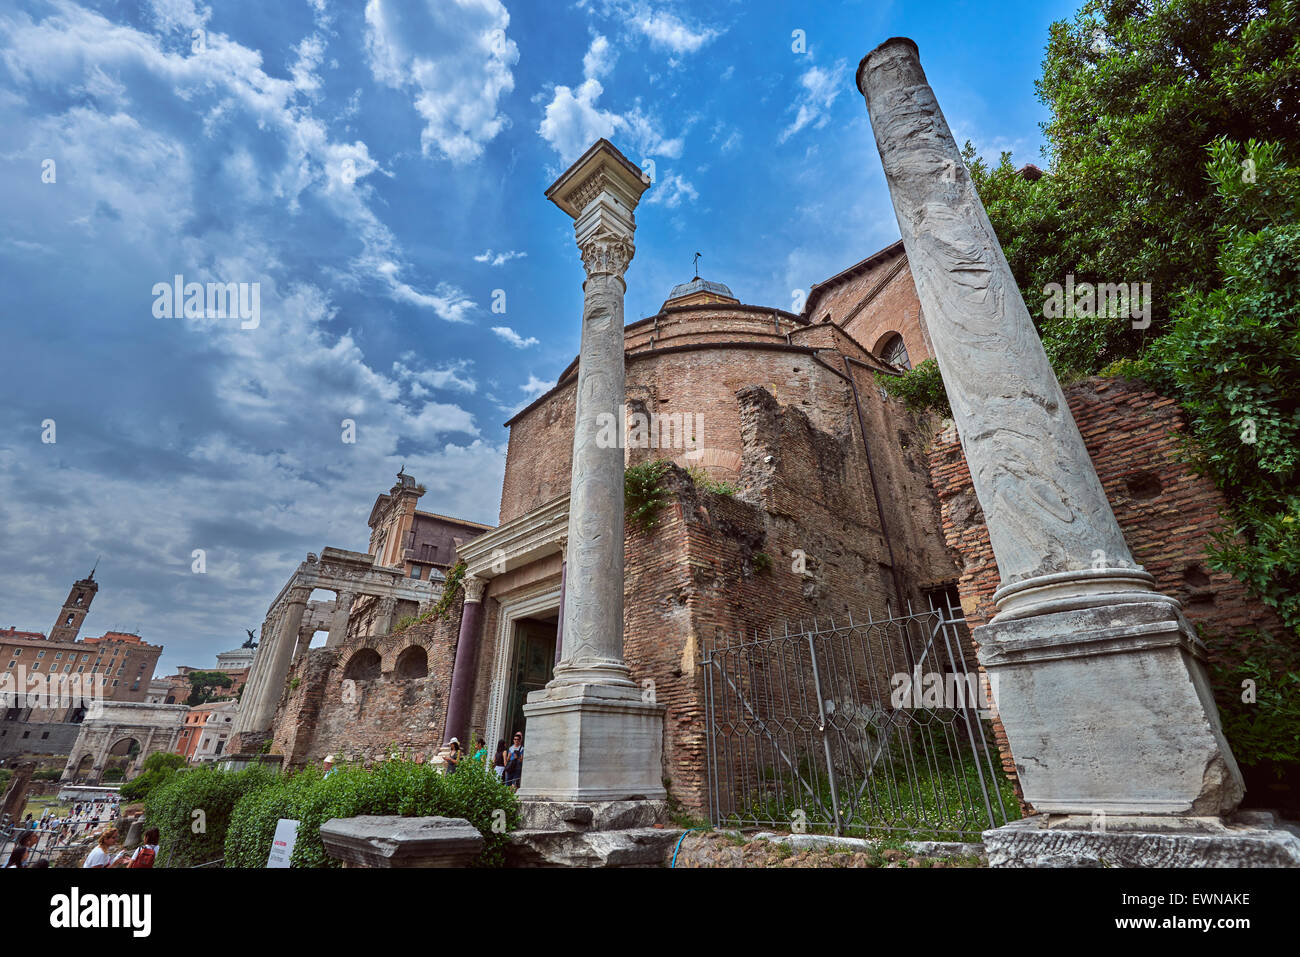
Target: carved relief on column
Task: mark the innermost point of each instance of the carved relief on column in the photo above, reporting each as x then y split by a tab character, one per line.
1050	525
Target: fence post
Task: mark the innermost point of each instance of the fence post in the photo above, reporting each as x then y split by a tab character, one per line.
826	745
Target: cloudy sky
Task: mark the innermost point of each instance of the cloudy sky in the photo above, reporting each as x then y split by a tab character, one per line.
377	170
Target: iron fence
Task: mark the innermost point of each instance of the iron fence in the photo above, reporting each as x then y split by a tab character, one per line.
854	728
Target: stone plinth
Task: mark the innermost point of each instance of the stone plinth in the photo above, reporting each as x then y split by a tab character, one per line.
15	798
1252	839
591	815
592	743
1111	712
388	841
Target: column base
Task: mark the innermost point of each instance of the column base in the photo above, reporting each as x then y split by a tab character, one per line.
592	743
1251	839
1108	709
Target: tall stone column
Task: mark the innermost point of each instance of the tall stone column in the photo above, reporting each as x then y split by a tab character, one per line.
1098	678
465	668
338	632
278	660
590	734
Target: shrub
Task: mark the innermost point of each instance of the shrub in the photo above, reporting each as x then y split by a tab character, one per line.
921	389
188	838
643	496
157	769
704	481
47	774
394	787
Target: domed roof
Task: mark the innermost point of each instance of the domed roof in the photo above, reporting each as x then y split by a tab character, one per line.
699	285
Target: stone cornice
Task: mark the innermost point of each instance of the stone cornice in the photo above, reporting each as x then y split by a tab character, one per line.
532	535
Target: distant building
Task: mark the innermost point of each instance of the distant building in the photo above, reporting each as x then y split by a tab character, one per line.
206	732
119	665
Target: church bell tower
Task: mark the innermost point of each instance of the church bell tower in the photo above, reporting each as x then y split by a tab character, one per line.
74	609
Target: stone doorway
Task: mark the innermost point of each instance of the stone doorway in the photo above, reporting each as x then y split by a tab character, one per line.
533	662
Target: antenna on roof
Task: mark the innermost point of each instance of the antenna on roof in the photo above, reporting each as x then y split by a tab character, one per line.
696	263
92	570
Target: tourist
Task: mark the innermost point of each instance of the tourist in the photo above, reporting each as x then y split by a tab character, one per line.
26	840
147	852
102	855
329	765
481	753
499	760
515	761
453	756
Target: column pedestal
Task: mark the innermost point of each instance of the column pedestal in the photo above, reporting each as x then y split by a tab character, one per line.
1110	711
592	743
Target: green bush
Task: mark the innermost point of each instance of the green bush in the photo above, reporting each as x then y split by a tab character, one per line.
47	774
157	769
707	483
189	838
643	496
394	787
921	389
1264	731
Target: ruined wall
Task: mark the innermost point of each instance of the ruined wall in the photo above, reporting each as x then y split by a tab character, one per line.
319	714
1167	512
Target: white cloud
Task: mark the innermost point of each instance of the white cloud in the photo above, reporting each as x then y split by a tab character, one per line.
671	191
514	338
818	90
667	31
453	376
498	259
599	58
535	386
573	120
454	59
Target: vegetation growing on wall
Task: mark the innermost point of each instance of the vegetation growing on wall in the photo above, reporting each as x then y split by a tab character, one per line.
643	496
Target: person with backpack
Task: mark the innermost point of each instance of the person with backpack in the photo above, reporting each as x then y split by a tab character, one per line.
147	852
515	761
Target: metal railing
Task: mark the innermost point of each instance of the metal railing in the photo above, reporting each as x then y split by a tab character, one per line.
854	728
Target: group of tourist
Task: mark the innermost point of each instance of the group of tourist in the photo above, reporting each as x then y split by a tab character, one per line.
51	831
507	762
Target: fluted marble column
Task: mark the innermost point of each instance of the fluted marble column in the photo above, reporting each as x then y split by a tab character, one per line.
1097	676
466	666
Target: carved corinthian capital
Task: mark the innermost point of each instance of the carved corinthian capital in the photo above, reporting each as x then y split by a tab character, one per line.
473	586
607	255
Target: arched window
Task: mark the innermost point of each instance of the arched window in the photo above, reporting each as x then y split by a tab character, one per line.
413	662
365	664
893	351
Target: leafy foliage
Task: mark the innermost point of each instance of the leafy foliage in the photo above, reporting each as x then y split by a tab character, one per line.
1233	360
707	483
393	787
157	768
921	389
1265	731
643	497
187	838
205	686
1136	89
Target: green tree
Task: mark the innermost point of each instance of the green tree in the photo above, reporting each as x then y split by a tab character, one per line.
204	686
1138	89
1232	357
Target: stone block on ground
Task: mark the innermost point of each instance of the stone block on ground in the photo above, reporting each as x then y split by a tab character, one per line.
389	841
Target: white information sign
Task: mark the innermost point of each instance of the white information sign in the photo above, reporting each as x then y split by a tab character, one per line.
286	833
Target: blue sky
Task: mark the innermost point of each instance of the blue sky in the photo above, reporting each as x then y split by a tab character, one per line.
378	170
